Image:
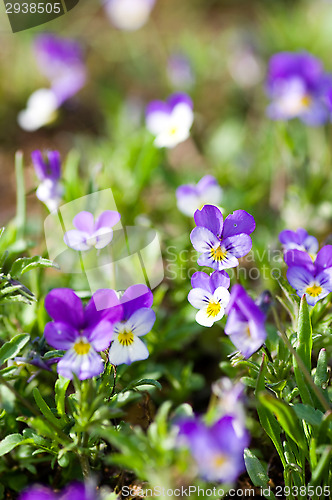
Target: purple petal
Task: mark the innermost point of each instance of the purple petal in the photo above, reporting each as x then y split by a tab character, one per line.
142	321
203	239
287	237
37	493
238	222
104	305
63	305
230	435
84	221
299	258
238	245
324	258
60	335
109	218
136	297
219	278
100	336
299	278
179	98
211	218
201	280
205	183
86	366
79	491
54	163
77	240
39	165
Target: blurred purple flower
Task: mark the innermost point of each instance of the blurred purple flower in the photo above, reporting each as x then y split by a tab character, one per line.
230	398
82	332
38	493
137	320
313	279
48	171
179	71
245	323
297	85
61	61
191	197
170	121
90	233
75	491
299	240
218	450
209	295
220	242
128	15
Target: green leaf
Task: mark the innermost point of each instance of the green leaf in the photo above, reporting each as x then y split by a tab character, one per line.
61	386
9	443
286	417
12	348
257	472
45	409
21	266
143	381
308	414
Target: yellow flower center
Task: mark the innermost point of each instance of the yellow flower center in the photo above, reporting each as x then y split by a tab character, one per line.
173	131
218	253
219	460
126	338
306	101
314	290
82	347
213	309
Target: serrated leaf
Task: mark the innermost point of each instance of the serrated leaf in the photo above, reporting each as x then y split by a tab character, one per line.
25	264
11	349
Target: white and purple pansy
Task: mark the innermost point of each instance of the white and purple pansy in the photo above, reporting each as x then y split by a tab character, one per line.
170	121
298	86
245	323
312	279
128	15
137	319
299	240
210	296
90	233
82	332
48	170
221	242
191	197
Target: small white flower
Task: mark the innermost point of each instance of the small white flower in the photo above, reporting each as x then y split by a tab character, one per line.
211	306
129	15
41	110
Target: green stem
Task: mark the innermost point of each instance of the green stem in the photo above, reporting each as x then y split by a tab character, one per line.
20	195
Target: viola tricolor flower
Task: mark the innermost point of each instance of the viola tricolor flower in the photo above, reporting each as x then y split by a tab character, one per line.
230	398
191	197
297	85
137	320
170	121
245	323
61	61
210	296
128	15
218	450
221	242
299	240
82	332
75	491
90	233
48	171
313	279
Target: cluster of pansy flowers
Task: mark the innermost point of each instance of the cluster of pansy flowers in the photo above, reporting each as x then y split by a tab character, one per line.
299	87
309	272
220	244
61	61
218	448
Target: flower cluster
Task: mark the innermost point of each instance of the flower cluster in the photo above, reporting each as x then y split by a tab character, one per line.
309	274
74	491
170	121
221	242
299	88
191	197
105	322
48	171
60	60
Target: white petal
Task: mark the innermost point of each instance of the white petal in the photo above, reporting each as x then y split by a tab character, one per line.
222	295
141	322
77	240
199	298
40	110
204	319
103	237
182	116
211	196
120	354
157	122
189	204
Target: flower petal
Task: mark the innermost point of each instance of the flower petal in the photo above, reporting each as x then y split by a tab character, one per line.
203	239
142	321
226	263
205	319
104	305
84	366
324	258
219	278
299	258
77	240
60	335
109	218
100	336
238	245
104	236
201	280
211	218
64	306
120	354
222	295
84	221
299	278
136	297
199	298
238	222
157	117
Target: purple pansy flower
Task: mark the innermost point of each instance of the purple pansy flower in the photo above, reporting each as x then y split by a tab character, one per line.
170	121
297	85
128	15
230	398
299	240
48	171
179	71
314	279
82	332
191	197
137	320
218	450
220	242
209	295
90	233
75	491
245	323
